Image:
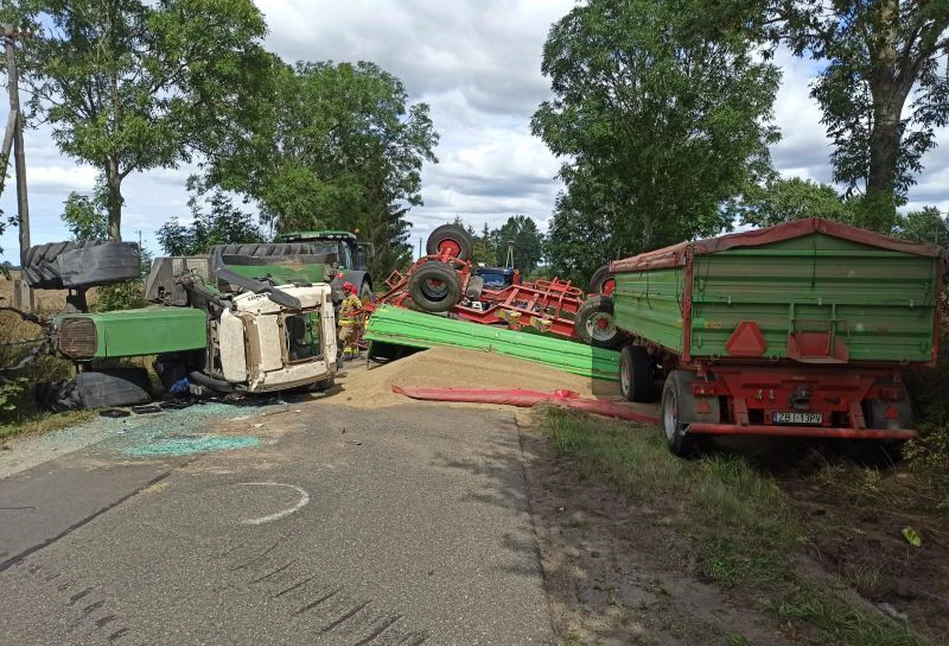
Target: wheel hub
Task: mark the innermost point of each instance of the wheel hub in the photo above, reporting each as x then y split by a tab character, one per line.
601	326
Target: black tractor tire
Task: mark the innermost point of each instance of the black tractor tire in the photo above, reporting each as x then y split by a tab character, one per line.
62	265
601	277
435	287
636	375
474	288
366	294
450	233
97	389
595	325
265	250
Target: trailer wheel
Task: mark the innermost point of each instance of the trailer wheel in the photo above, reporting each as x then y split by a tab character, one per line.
595	325
450	239
603	281
679	408
435	287
880	414
635	375
677	439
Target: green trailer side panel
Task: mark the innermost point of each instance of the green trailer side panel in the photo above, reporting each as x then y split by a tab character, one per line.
646	303
148	331
880	303
414	329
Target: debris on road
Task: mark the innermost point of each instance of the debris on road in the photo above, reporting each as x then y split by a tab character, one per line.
417	330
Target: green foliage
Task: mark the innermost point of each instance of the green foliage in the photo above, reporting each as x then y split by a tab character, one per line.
878	58
336	146
86	216
520	231
120	296
784	200
660	120
925	225
129	85
222	224
10	391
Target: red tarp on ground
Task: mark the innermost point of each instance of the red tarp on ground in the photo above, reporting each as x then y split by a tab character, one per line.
526	399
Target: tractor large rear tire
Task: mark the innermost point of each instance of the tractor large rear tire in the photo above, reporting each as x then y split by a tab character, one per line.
62	265
595	325
266	250
435	287
450	238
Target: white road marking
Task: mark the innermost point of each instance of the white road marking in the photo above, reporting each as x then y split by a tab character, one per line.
304	499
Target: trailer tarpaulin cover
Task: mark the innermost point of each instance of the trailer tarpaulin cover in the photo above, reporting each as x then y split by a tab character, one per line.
526	399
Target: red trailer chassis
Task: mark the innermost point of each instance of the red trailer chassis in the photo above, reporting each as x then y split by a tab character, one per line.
798	401
545	305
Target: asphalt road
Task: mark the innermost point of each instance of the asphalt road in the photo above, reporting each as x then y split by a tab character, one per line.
405	525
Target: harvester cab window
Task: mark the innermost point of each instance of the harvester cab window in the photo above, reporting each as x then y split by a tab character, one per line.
345	255
303	337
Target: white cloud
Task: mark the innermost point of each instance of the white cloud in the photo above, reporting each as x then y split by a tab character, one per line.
477	63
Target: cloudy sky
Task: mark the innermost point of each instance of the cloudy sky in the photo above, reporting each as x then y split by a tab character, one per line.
477	64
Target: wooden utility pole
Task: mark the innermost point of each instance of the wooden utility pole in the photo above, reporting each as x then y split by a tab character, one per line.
22	294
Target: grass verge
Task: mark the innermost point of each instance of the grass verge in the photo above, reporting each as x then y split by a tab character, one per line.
741	522
44	423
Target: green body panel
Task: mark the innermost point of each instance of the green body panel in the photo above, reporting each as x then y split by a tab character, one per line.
647	305
154	330
880	303
283	274
414	329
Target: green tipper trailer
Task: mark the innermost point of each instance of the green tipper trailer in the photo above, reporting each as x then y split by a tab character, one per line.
800	329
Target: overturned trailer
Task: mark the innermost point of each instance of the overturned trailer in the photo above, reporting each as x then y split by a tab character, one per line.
801	329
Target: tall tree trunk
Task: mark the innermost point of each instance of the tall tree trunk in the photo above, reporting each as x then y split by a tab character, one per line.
888	99
113	199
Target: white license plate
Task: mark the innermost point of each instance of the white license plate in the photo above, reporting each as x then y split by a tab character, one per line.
812	419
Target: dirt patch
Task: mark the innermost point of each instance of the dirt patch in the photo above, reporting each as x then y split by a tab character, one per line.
854	519
458	368
617	573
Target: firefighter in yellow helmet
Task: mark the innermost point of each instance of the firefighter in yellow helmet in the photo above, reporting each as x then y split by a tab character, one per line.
350	321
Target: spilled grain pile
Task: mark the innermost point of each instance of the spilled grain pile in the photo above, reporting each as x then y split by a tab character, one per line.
450	367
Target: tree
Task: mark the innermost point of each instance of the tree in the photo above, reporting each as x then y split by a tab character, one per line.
222	224
483	249
925	225
131	85
579	240
660	118
877	57
85	216
528	242
336	146
783	200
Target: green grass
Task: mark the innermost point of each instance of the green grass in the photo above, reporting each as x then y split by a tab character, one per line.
44	423
741	521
